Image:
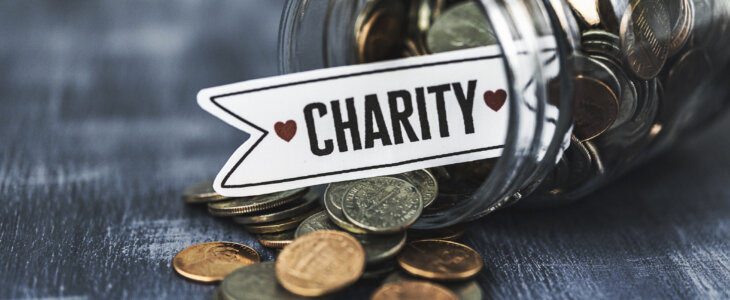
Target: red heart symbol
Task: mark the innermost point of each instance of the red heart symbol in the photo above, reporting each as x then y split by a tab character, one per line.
495	100
286	131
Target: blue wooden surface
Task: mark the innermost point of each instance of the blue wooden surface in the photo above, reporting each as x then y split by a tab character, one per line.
100	132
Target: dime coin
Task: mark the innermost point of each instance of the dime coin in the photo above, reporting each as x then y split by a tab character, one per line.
209	262
443	260
377	247
465	290
681	19
246	205
595	107
333	204
320	262
202	193
645	36
382	204
380	37
276	240
424	181
413	290
255	282
279	213
279	226
460	27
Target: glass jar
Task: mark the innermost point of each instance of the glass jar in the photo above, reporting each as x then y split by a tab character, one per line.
595	87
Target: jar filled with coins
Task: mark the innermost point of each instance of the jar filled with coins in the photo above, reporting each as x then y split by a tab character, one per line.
595	87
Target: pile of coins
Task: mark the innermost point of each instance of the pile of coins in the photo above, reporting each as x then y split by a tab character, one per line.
358	230
638	71
636	77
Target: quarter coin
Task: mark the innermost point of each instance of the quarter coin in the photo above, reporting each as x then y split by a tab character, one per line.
441	260
320	262
209	262
382	204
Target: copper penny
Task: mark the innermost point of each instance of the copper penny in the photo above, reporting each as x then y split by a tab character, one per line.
320	262
442	260
595	107
413	290
380	36
209	262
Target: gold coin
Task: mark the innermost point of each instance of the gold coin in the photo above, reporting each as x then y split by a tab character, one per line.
280	226
437	259
209	262
202	193
320	262
413	290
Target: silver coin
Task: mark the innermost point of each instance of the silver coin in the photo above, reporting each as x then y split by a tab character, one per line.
377	247
424	181
240	206
333	205
645	36
681	19
465	290
305	204
462	26
382	204
256	281
602	43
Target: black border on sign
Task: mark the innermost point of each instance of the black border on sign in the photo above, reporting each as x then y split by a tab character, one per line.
265	132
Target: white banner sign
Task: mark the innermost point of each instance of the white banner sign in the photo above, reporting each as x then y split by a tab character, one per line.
362	121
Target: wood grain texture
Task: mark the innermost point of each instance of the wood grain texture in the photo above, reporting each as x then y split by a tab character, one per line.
100	133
